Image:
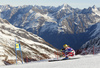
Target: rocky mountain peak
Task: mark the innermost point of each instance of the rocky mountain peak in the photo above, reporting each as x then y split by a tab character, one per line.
65	6
94	7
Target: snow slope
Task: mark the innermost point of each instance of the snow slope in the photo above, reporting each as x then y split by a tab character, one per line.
32	45
88	61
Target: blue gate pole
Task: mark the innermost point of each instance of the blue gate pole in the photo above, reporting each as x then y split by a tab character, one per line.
15	51
21	56
21	52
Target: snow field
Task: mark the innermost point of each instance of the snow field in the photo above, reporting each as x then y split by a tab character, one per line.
87	61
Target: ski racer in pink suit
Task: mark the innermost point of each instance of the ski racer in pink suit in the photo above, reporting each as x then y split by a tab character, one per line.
68	51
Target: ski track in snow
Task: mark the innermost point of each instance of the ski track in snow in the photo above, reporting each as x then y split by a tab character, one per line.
87	61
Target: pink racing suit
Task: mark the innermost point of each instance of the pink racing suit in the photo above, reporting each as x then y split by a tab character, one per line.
69	52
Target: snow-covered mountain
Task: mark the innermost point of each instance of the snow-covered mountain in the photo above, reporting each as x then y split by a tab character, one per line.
56	25
93	44
33	46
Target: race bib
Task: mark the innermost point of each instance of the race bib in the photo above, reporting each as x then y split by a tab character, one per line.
17	45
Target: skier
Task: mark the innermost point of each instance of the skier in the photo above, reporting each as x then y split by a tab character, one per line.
68	51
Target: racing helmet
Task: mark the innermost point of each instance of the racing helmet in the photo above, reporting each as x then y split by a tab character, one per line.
65	45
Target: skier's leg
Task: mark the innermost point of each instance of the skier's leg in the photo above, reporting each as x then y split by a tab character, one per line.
66	57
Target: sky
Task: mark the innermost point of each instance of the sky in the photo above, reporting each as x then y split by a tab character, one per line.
73	3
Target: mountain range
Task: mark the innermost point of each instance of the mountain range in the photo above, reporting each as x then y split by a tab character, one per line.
56	25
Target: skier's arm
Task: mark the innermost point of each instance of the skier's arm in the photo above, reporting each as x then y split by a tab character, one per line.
62	49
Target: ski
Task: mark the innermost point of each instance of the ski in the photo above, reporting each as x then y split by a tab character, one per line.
57	60
53	60
62	59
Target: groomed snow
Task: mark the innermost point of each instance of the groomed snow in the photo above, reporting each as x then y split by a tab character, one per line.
88	61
